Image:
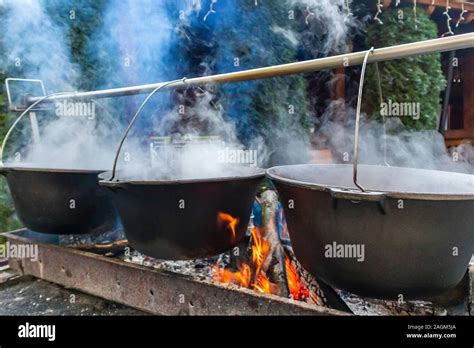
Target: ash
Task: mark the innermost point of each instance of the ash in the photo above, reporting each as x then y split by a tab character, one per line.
199	269
373	307
95	237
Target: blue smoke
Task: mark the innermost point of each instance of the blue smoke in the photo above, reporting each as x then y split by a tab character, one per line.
144	41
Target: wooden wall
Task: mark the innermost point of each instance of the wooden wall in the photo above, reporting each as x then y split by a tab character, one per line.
467	65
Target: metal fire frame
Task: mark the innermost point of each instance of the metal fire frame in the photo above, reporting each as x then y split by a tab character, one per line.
147	289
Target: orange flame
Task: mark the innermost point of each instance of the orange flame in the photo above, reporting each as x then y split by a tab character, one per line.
263	284
260	249
242	277
231	221
297	289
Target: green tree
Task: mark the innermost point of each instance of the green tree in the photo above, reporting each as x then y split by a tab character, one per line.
275	109
417	79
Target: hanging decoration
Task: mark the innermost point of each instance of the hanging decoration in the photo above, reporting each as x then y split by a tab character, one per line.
379	11
347	8
211	9
461	16
309	14
448	20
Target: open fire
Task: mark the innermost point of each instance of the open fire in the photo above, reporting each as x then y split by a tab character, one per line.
248	276
265	264
255	274
297	289
223	218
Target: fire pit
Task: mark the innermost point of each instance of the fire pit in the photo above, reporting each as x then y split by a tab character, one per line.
195	216
112	270
116	273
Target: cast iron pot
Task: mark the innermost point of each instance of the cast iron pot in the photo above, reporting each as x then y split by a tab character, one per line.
179	219
416	227
59	201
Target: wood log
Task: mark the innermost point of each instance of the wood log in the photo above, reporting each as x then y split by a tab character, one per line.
274	263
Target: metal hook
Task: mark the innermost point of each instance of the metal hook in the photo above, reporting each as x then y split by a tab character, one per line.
356	132
134	118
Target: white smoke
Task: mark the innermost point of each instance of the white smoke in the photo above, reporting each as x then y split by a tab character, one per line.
398	148
289	35
332	21
35	45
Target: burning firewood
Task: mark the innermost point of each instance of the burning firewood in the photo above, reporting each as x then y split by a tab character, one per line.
256	268
265	265
268	265
274	261
304	287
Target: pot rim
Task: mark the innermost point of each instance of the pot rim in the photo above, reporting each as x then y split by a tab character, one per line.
6	168
256	174
370	195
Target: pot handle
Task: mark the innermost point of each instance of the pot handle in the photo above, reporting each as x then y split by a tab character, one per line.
134	118
356	131
27	110
354	195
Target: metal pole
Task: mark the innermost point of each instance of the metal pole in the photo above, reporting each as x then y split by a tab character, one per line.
456	42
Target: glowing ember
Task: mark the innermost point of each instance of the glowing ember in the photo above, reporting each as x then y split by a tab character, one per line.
297	290
231	222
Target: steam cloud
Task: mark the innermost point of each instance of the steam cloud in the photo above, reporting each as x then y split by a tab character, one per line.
35	45
329	23
137	44
401	148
